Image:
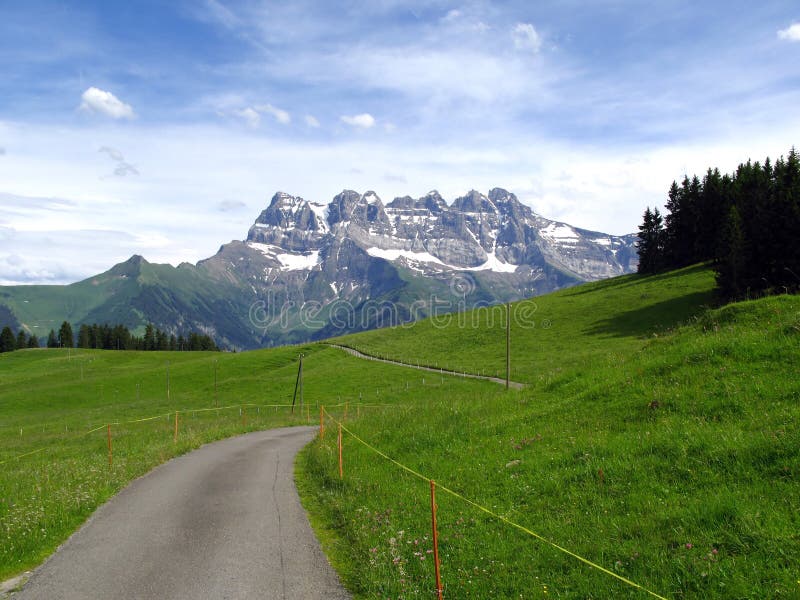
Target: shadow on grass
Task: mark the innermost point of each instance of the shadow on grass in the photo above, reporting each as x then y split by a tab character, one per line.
654	317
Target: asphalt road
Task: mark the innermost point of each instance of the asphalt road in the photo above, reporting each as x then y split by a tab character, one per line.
224	521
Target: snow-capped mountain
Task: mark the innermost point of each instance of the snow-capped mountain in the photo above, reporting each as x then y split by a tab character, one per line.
308	270
408	255
494	233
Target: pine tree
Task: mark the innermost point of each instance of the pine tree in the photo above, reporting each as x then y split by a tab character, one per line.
731	264
681	223
52	340
65	339
149	337
784	246
83	336
162	341
7	341
650	245
33	341
22	339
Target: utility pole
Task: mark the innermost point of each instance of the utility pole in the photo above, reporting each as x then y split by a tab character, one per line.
508	345
298	385
301	384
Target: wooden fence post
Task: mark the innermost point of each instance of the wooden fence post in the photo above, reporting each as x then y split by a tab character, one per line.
439	593
110	453
341	466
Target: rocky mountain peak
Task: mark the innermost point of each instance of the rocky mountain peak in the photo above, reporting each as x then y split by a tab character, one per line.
288	222
474	202
341	207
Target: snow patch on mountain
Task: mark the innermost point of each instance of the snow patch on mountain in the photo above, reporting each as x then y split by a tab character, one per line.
288	262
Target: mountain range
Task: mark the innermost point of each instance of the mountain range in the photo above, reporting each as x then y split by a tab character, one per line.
308	270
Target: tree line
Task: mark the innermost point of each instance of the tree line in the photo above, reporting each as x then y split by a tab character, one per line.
746	223
106	337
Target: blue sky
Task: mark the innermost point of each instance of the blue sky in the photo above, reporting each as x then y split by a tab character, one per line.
163	128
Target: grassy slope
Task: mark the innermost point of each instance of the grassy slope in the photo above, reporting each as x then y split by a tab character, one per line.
695	432
50	398
552	333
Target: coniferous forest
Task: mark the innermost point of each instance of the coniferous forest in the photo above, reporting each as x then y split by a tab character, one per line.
106	337
746	223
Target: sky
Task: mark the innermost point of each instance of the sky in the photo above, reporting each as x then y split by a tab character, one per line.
164	128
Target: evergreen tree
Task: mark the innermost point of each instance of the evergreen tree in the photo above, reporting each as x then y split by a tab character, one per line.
730	266
681	223
149	341
65	339
7	341
784	247
650	244
33	341
83	336
162	341
52	340
22	339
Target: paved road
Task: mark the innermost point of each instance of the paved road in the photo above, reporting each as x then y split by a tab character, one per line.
224	521
513	384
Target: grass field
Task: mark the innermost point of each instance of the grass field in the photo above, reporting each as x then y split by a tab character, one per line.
575	327
669	455
51	398
656	438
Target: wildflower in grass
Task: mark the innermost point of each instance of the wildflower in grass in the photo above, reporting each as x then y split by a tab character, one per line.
688	545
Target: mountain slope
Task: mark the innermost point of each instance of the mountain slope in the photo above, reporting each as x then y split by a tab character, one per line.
307	270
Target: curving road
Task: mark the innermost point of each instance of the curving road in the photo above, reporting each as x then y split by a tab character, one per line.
224	521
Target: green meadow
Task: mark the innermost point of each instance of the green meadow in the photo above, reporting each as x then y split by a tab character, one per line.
50	399
657	438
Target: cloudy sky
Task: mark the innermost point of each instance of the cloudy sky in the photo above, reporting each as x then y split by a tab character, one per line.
163	128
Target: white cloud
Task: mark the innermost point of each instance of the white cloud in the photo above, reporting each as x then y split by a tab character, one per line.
113	153
457	21
791	33
281	116
452	15
394	178
250	116
99	101
122	167
312	121
526	37
218	13
231	205
364	120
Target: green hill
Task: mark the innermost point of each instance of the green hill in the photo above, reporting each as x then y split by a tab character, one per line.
177	299
657	438
551	334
